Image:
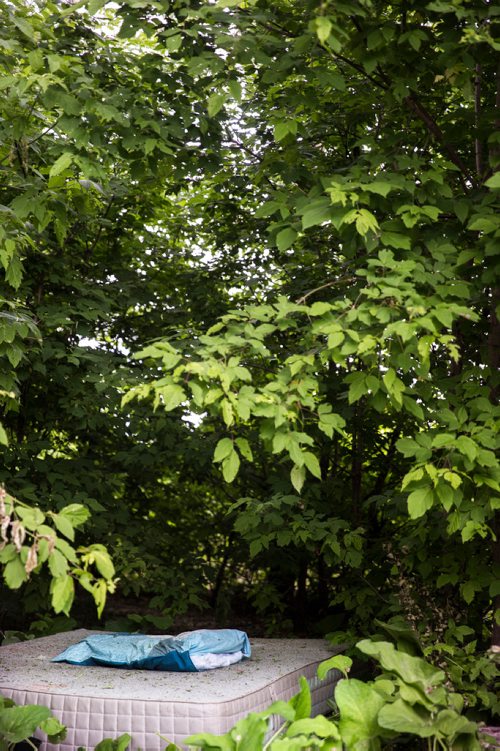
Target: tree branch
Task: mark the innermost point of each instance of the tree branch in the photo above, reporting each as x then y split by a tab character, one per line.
302	299
418	108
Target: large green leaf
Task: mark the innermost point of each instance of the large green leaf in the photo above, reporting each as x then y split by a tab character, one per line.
18	723
403	718
301	702
359	706
319	726
62	590
413	670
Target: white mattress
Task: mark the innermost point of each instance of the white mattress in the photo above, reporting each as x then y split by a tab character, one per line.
98	702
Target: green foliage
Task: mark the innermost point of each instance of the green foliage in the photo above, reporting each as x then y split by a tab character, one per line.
28	541
473	673
408	701
18	723
366	369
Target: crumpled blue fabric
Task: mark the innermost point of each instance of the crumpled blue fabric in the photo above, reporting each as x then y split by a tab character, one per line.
136	651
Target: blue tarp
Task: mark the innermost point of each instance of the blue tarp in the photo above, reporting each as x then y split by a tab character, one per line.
155	652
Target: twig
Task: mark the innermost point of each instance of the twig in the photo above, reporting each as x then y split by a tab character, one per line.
432	126
47	129
302	299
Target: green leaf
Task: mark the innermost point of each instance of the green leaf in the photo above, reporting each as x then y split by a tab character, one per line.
286	238
32	517
318	726
95	5
359	705
403	718
467	447
120	744
62	590
19	723
170	359
366	222
444	316
227	412
24	26
494	589
215	103
380	187
323	28
230	466
64	526
395	240
223	449
312	464
335	339
173	396
494	181
208	742
8	553
317	213
413	407
58	564
301	702
451	724
102	560
14	573
55	731
245	449
443	439
412	670
235	89
173	43
357	388
61	164
281	708
468	590
404	635
297	477
337	662
66	550
484	224
283	129
4	440
249	732
420	501
319	308
14	273
76	513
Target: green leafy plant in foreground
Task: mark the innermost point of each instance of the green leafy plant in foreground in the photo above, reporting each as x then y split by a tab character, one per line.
19	723
408	699
473	672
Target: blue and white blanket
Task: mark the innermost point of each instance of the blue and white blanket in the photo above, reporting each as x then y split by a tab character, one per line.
191	651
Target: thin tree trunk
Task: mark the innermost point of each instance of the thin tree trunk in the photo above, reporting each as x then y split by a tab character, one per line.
494	363
219	579
356	465
477	113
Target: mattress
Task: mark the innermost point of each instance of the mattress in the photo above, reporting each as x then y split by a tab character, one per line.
102	702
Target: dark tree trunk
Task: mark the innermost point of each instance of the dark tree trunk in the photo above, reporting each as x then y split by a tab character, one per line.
494	362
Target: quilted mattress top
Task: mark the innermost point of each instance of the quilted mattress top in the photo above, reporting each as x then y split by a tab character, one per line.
27	666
